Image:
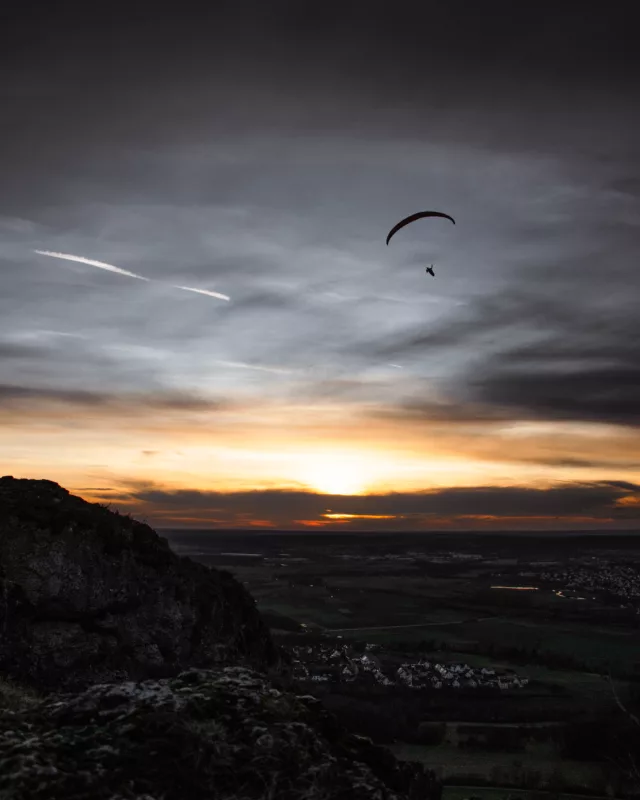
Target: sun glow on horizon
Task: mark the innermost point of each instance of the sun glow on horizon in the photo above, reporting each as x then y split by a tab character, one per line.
346	474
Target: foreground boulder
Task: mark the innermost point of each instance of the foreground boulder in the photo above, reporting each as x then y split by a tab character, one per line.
88	595
220	734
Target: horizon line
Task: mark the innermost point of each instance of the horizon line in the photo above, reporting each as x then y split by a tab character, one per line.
316	532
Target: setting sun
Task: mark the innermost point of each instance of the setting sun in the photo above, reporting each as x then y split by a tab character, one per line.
339	474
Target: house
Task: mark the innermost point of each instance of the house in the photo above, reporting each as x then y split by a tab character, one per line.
405	675
370	662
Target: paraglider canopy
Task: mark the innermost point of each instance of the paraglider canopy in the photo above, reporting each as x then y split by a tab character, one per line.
414	217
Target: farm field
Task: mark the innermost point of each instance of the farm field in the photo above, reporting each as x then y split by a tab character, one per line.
452	763
434	597
592	646
502	793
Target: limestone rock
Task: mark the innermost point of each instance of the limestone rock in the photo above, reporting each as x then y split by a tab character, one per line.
220	734
88	595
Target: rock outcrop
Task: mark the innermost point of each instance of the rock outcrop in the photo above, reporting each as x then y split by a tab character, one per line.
224	733
130	673
88	595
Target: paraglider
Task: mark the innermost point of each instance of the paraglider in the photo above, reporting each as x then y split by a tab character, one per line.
414	217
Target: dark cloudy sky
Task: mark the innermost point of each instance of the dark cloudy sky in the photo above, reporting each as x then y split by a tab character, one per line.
260	152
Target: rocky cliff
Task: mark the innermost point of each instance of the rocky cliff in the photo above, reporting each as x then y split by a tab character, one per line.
222	734
89	595
129	673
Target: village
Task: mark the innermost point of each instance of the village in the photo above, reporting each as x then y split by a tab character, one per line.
339	663
617	580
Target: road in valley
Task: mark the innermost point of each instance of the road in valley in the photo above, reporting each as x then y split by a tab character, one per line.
412	625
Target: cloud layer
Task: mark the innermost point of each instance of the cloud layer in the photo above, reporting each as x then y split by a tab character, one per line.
598	504
259	158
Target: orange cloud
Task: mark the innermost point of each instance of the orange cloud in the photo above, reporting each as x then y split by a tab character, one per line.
360	516
630	501
306	465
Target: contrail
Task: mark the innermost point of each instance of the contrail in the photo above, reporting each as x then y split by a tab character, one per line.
91	263
111	268
204	291
242	365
